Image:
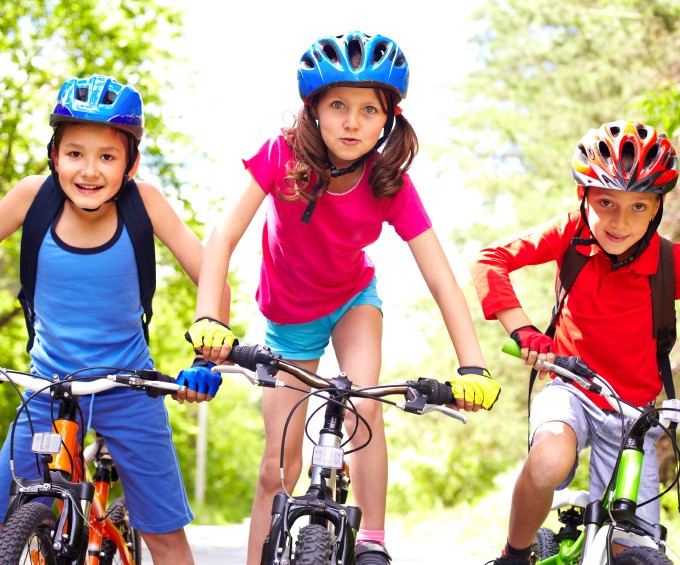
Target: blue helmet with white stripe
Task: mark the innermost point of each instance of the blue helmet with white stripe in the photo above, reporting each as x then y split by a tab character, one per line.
353	59
100	99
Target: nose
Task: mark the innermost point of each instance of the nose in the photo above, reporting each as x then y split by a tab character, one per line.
90	168
351	121
621	217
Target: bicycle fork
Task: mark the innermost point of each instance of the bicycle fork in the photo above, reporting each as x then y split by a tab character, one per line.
618	504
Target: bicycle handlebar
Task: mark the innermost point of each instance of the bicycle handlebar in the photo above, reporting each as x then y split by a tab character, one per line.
143	379
422	396
574	369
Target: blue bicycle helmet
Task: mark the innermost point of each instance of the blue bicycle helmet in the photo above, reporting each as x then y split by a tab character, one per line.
353	59
100	99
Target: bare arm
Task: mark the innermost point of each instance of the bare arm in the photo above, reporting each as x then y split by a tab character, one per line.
15	204
442	283
218	250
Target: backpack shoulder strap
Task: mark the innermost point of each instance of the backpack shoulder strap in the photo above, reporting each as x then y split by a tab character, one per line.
45	206
572	263
662	285
140	230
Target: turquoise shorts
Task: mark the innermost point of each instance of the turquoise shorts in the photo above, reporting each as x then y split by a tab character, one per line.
304	342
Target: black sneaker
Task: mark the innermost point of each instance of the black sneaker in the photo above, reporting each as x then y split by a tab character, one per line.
373	553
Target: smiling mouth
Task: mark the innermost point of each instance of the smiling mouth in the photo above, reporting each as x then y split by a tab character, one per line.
83	187
616	237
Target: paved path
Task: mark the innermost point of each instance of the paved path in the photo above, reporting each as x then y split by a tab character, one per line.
226	545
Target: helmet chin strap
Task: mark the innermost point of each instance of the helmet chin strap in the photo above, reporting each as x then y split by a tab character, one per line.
387	129
641	246
132	151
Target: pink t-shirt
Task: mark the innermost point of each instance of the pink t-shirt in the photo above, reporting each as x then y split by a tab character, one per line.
310	270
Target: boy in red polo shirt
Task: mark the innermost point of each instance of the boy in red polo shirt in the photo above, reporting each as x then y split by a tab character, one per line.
622	171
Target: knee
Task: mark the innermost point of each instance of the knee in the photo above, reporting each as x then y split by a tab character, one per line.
546	467
270	472
371	411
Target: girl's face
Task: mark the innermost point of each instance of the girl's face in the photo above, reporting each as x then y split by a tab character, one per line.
91	161
618	219
351	120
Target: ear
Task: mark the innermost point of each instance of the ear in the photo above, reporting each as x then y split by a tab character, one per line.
580	191
133	170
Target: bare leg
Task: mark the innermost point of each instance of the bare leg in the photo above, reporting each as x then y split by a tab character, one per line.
172	547
549	461
276	405
357	342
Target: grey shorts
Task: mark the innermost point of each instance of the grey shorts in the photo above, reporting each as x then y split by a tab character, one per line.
601	430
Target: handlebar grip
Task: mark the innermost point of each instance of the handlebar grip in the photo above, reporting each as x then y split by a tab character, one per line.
511	347
249	356
571	363
435	392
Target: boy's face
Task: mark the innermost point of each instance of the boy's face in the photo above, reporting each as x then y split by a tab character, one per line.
618	219
91	162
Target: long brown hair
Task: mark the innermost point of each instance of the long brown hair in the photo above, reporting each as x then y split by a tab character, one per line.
311	155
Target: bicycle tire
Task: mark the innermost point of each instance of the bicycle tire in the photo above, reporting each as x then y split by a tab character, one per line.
118	514
313	546
545	545
27	536
642	556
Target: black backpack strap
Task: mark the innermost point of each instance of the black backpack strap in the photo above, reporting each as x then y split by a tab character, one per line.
140	230
662	284
44	208
572	263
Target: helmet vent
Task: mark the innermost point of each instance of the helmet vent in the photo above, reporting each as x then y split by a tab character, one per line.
379	52
81	94
627	156
355	51
603	150
330	51
581	153
615	131
109	97
642	132
651	156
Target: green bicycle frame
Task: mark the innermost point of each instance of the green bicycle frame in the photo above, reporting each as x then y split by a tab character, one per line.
628	475
570	552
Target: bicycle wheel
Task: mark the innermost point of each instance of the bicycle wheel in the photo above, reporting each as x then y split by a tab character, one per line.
642	556
27	536
313	546
545	545
118	514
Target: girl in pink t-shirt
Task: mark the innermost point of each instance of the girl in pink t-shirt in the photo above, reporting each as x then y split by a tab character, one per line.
328	193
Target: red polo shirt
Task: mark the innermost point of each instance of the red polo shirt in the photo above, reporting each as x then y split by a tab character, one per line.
606	317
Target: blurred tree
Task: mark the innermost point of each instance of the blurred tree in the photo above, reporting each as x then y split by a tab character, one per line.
546	73
42	44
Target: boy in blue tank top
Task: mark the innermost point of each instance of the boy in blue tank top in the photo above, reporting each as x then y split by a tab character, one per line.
86	309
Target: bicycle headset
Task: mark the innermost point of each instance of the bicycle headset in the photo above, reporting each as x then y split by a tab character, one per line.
100	100
352	59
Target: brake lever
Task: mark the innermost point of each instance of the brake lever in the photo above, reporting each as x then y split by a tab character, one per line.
261	378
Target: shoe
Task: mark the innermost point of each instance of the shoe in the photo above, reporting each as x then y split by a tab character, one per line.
373	553
505	560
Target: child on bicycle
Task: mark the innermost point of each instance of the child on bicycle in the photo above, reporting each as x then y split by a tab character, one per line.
86	309
623	171
328	191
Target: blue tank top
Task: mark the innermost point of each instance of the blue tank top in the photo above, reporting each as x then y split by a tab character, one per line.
87	308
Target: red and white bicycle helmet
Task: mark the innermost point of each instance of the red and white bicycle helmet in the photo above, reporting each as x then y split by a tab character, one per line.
626	156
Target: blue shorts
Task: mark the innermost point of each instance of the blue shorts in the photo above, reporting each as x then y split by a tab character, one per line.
139	438
303	342
602	431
